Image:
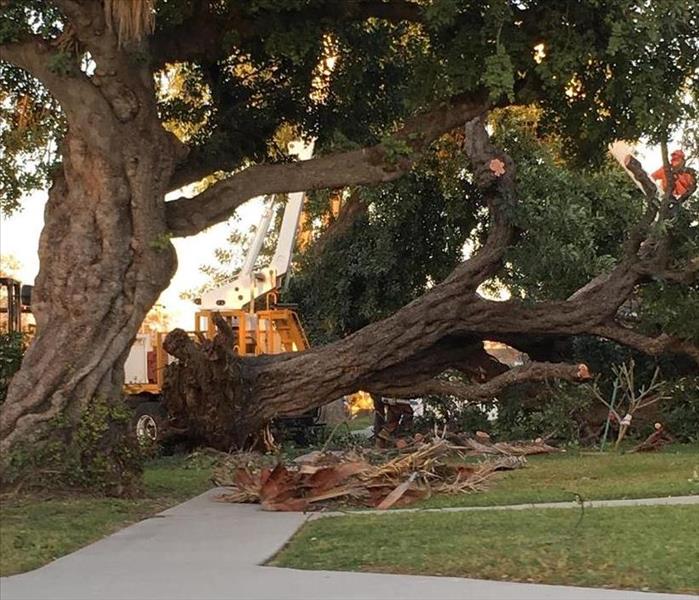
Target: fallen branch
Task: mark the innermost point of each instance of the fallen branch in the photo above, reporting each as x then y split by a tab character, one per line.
655	441
533	371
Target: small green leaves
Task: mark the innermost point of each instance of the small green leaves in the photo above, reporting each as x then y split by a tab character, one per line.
441	13
339	142
395	149
161	242
499	75
61	63
11	352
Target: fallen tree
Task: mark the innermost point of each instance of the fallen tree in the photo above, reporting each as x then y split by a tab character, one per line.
228	398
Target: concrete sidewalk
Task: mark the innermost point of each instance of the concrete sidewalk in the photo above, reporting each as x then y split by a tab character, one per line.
662	501
204	550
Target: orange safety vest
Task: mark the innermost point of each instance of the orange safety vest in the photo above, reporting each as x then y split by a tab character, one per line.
684	181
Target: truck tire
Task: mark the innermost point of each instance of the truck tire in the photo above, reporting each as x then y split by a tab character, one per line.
150	422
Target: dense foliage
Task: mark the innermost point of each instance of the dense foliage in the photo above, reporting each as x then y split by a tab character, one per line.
623	69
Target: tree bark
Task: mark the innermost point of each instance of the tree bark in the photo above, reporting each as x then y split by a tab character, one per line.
105	258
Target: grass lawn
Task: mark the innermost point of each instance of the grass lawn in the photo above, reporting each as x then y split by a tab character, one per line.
651	548
36	530
558	477
361	422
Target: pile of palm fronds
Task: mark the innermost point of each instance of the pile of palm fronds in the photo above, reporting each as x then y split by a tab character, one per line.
358	477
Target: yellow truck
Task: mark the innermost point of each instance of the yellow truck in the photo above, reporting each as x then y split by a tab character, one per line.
250	304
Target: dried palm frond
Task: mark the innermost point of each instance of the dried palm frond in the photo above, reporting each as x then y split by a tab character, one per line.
433	467
131	19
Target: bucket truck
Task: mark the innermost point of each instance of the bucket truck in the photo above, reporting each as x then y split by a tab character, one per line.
250	304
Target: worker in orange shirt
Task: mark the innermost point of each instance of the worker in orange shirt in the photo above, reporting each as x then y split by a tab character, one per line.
684	179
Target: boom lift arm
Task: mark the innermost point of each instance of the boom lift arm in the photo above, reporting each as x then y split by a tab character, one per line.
248	284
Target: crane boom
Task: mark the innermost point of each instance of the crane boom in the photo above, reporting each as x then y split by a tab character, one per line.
250	285
257	240
292	214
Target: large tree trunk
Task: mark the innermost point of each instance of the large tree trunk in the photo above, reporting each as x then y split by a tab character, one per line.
105	257
105	254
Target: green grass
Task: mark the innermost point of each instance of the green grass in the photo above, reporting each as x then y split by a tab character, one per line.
558	477
361	422
35	530
651	548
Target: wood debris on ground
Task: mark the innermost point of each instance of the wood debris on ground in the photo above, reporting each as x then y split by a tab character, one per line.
482	445
655	441
369	478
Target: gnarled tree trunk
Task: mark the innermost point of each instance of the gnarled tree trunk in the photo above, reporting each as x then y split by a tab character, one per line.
104	252
105	258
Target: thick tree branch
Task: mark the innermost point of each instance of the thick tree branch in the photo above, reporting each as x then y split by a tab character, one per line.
685	276
36	56
654	346
462	353
495	176
646	253
199	164
377	164
534	371
656	269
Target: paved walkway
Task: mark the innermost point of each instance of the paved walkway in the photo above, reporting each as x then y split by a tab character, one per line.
665	501
205	550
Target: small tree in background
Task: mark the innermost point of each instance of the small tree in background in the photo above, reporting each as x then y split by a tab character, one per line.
628	397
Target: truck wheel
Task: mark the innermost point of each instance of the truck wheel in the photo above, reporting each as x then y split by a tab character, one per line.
149	421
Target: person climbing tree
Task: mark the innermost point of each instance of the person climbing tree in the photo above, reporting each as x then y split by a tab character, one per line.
684	179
